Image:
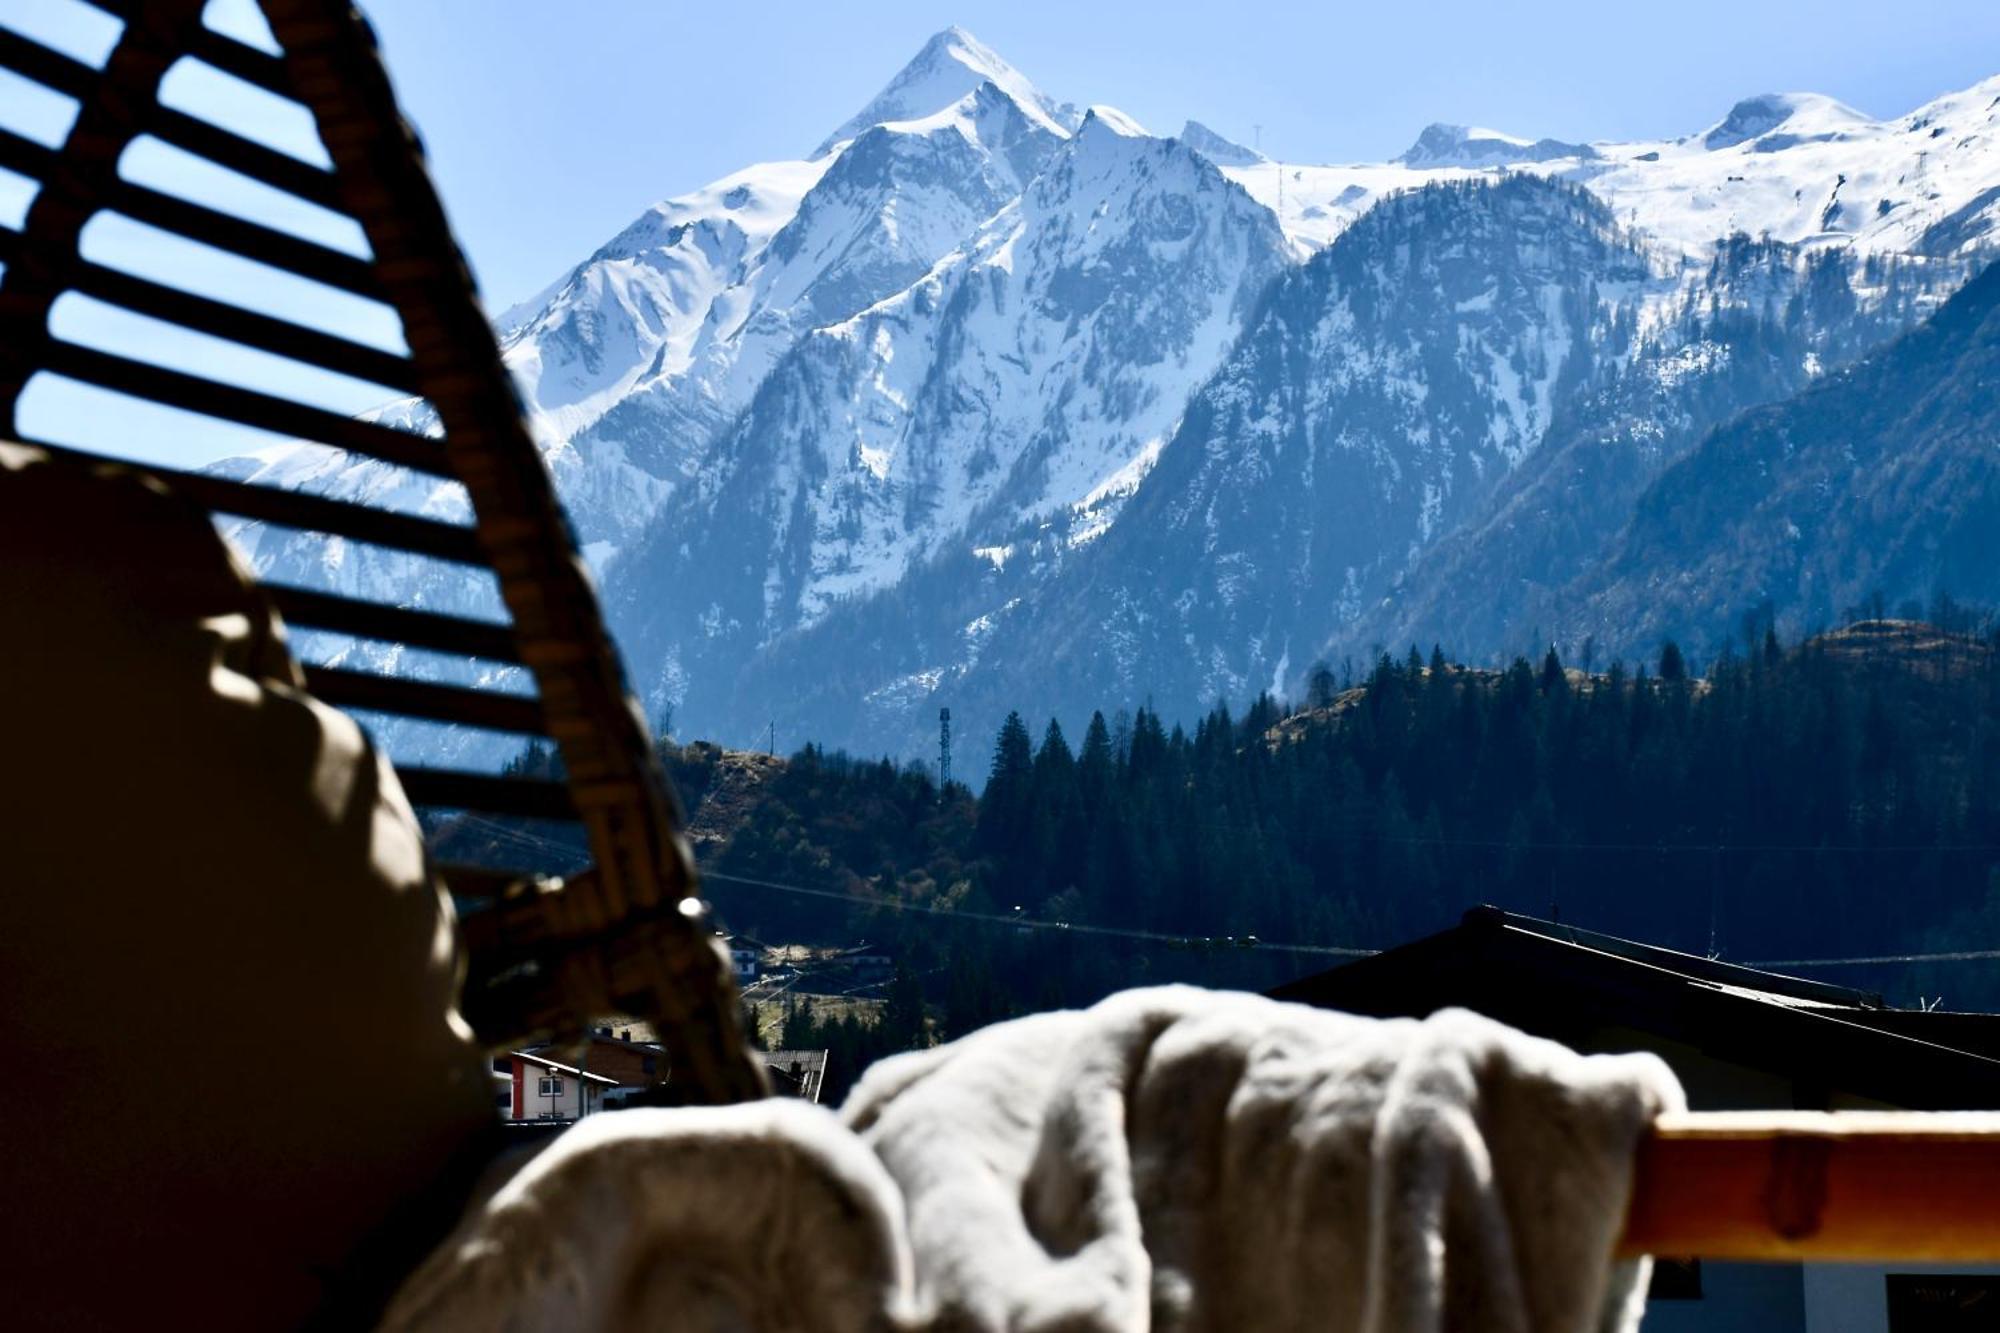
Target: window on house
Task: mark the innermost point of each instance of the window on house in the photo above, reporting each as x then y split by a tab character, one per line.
1675	1280
552	1087
1942	1302
503	1064
503	1100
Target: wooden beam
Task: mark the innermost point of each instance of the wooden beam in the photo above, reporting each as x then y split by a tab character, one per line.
239	236
394	624
1887	1187
71	77
249	407
300	510
281	337
404	697
485	793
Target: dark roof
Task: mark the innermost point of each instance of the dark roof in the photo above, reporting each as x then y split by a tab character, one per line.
644	1043
797	1073
1687	964
561	1068
1565	983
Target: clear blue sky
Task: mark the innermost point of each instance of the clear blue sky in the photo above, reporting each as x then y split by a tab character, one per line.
552	125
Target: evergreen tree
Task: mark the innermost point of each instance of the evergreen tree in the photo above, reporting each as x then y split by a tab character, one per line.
903	1026
1321	686
972	997
1096	767
1553	678
1826	773
1004	805
801	1030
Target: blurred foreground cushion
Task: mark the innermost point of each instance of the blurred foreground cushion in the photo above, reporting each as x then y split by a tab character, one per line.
242	1095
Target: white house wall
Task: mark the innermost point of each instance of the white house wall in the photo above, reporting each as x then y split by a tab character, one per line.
535	1106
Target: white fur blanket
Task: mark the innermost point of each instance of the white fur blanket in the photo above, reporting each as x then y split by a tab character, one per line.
1169	1159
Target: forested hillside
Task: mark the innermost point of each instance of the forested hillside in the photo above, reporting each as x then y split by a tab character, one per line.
1836	799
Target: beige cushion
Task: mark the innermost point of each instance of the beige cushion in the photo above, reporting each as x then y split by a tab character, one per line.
239	1089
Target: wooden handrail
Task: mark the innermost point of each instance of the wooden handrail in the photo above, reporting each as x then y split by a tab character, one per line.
1891	1187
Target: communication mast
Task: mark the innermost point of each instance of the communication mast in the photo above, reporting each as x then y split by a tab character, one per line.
944	750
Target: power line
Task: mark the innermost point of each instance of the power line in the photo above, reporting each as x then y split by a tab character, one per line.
529	841
1356	818
1030	923
1956	956
1355	833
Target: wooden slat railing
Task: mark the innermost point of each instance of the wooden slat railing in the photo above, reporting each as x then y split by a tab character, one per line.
1887	1187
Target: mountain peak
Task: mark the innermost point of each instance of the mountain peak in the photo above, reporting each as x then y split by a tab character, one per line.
952	64
1224	152
1803	114
1111	120
1442	145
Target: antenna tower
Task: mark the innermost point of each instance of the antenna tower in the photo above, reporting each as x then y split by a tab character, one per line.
944	750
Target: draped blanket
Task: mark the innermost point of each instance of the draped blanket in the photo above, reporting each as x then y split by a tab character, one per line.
1170	1159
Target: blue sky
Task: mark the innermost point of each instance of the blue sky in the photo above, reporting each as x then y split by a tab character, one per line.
551	126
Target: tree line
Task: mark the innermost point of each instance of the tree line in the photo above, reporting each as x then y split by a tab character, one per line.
1837	798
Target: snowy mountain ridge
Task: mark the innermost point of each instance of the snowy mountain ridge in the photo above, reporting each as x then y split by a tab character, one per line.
1796	167
1015	386
951	64
933	364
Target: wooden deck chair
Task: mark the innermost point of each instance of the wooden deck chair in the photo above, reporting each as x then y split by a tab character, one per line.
626	936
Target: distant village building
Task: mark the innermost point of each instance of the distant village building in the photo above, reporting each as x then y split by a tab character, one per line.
615	1066
797	1073
546	1089
867	959
744	954
1739	1039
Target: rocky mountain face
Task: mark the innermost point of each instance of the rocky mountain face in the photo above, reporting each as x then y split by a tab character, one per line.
1466	146
1764	321
1020	388
1383	390
990	402
1429	428
1882	481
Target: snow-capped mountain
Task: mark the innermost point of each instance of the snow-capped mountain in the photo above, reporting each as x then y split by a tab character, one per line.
1763	321
1380	395
634	359
1217	149
1469	146
1795	167
1026	381
987	391
1881	481
951	65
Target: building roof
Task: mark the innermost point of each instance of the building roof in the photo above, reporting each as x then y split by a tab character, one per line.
562	1068
799	1073
628	1036
1562	982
